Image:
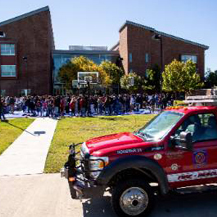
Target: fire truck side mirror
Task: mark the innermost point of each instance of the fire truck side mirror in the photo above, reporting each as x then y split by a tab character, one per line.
185	141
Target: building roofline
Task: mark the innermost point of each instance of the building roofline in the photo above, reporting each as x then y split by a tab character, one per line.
84	52
205	47
24	15
114	46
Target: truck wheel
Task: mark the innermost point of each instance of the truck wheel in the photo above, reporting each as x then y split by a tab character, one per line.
133	197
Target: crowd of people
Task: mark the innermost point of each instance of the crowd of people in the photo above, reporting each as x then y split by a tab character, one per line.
83	105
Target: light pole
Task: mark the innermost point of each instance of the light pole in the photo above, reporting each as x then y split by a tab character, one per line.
159	38
27	79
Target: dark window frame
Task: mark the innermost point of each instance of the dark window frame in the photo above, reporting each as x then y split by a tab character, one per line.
203	113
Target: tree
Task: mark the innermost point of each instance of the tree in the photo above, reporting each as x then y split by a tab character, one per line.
181	77
211	79
68	72
131	82
114	72
152	79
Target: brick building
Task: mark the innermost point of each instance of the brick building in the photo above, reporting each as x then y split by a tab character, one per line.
26	45
29	61
140	49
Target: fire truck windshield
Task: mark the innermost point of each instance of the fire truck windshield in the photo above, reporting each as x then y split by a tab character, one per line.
158	127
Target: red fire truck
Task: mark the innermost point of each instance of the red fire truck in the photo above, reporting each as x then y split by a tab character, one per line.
176	149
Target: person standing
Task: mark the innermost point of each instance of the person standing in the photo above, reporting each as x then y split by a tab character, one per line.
11	104
62	106
2	105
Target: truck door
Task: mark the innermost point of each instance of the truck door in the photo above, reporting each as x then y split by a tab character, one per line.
199	165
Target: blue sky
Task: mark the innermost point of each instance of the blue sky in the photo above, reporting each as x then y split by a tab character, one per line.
96	22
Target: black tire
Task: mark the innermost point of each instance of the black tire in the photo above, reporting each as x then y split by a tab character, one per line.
133	186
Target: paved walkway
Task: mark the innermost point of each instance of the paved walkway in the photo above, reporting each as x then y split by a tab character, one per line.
27	154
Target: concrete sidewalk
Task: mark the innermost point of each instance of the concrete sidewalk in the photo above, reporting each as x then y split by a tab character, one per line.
27	154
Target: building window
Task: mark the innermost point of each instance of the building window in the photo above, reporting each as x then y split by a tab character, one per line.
146	58
8	70
185	58
2	34
130	57
7	49
3	92
146	73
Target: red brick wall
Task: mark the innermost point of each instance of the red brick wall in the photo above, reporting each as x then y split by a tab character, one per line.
123	48
139	42
33	39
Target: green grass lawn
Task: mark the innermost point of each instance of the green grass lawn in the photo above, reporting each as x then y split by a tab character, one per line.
10	130
77	130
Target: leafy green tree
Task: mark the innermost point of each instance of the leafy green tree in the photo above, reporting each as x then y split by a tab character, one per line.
181	77
211	79
68	72
131	82
152	79
147	81
114	72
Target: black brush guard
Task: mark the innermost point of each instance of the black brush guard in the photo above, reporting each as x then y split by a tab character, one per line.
77	167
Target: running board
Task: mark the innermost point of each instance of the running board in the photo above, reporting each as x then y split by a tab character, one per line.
197	189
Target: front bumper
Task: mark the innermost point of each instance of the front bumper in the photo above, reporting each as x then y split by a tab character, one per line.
77	173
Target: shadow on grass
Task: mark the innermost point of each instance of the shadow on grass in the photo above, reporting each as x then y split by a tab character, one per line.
113	118
20	128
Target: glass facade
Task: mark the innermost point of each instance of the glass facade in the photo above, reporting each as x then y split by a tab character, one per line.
7	49
61	58
8	70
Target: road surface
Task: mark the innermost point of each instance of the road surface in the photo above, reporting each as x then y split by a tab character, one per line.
47	195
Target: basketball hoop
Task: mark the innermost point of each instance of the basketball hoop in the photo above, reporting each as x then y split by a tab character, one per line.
88	77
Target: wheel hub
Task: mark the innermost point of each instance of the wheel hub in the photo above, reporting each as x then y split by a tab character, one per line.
134	201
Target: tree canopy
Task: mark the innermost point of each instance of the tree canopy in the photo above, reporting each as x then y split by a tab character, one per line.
211	79
152	79
181	77
114	72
